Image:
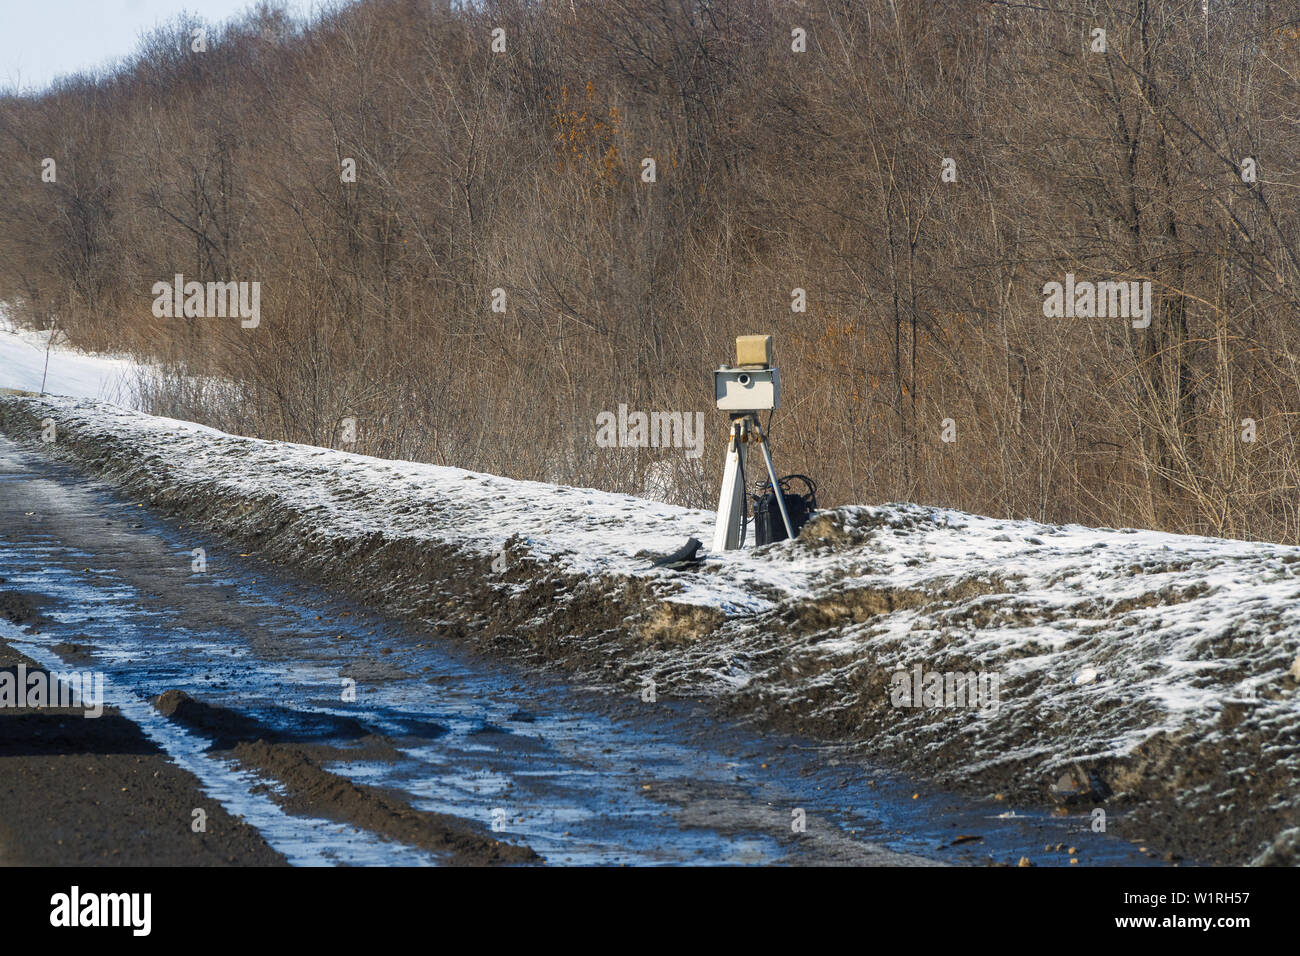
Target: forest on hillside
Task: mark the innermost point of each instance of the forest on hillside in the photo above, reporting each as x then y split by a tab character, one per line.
463	247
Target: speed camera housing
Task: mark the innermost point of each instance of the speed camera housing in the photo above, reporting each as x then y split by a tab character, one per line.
752	385
746	390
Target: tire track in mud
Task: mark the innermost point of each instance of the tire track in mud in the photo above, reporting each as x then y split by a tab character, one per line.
143	803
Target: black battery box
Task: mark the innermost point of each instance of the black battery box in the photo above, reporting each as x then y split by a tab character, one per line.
768	526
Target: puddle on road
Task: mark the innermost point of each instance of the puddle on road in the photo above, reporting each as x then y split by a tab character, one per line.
581	777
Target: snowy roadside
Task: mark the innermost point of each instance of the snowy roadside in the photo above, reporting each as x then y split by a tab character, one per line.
1147	672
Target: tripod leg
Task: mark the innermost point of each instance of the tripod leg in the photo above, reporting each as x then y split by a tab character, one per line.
776	489
731	503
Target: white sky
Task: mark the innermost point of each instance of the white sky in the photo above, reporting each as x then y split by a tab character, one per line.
43	39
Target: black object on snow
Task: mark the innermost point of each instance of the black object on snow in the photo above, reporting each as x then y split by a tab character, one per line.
683	558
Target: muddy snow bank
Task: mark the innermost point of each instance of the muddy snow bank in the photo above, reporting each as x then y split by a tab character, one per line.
1115	668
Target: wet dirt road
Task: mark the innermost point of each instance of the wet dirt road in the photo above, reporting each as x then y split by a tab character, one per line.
336	735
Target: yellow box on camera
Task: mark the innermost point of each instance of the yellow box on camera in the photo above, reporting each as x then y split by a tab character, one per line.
753	350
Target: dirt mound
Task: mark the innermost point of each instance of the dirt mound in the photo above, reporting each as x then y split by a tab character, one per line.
226	727
311	790
289	757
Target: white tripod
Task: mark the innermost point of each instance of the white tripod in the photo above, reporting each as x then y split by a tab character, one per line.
731	503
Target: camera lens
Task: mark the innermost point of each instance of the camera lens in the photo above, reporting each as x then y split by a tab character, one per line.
743	380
